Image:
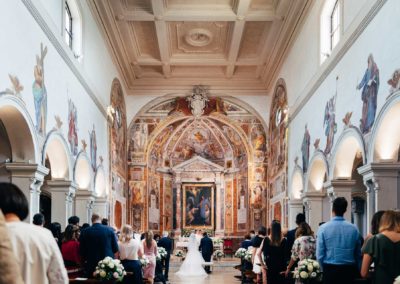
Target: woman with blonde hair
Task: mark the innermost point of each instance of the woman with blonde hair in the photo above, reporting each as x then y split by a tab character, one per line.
150	251
129	252
383	250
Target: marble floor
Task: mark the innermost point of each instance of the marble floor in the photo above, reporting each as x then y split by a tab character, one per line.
216	277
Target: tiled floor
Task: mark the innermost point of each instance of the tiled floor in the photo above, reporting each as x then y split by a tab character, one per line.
216	277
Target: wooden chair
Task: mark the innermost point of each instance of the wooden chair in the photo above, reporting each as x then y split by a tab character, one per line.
227	247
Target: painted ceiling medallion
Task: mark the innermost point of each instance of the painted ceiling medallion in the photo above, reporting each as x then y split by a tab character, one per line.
198	37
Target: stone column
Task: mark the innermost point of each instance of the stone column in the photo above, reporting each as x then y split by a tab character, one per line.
178	208
29	178
295	207
62	194
341	188
313	202
218	226
84	201
100	206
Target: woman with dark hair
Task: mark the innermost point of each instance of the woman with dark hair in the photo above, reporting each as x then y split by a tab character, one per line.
274	256
150	251
376	218
256	244
55	229
304	246
70	251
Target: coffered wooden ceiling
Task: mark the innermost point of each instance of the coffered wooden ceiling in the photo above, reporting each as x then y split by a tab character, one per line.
174	44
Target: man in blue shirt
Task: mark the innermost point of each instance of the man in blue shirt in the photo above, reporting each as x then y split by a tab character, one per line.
339	247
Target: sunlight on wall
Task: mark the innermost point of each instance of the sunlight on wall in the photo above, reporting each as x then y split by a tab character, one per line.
297	184
345	157
100	184
82	173
317	175
58	159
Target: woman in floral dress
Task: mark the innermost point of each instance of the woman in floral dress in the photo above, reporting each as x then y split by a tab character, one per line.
304	246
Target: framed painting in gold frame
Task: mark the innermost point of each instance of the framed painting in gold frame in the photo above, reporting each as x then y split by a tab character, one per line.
198	205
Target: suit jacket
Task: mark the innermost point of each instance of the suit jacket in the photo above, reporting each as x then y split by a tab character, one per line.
166	243
97	242
206	246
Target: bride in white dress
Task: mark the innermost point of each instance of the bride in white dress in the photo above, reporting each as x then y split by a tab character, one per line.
192	265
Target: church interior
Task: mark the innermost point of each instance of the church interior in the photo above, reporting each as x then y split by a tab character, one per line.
220	116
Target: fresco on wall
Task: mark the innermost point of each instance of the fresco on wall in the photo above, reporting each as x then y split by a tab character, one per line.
16	88
330	123
73	127
168	208
242	205
93	148
137	189
154	202
394	82
370	86
305	149
39	92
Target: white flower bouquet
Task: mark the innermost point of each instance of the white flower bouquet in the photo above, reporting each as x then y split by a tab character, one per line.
308	271
249	254
240	253
162	253
218	241
179	253
144	262
218	253
397	280
109	269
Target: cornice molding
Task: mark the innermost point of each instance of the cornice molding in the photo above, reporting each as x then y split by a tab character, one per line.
63	52
332	61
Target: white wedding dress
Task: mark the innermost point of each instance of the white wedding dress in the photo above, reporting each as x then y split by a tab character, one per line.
192	265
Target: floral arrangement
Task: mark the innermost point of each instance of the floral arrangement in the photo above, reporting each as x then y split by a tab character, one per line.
218	253
308	270
162	253
397	280
144	262
179	253
240	253
249	254
218	241
109	269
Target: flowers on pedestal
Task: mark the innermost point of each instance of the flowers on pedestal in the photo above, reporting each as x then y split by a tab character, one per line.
109	269
308	271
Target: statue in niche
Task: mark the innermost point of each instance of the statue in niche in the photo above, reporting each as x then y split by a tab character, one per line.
198	99
305	149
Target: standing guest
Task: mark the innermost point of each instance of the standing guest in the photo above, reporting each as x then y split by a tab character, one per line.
38	219
256	244
304	247
207	248
70	251
129	252
96	242
104	221
376	218
300	218
73	220
55	229
247	242
34	247
252	234
166	243
84	226
273	251
384	250
150	251
157	237
339	247
9	269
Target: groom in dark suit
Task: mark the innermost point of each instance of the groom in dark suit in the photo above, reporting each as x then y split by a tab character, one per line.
206	248
166	242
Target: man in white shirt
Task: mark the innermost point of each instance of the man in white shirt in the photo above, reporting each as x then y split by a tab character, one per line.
35	248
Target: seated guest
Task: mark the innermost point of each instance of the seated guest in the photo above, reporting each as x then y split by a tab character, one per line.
38	219
37	253
96	242
384	250
55	229
130	250
73	220
70	251
247	242
9	269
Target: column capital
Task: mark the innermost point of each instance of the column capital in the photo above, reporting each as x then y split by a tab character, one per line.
313	195
35	173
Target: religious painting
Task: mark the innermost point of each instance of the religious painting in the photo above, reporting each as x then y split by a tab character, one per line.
369	87
39	92
305	149
330	124
228	205
168	210
136	173
136	188
394	82
93	149
154	202
277	212
198	205
73	127
256	195
139	134
242	204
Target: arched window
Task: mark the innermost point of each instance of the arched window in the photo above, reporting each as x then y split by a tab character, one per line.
331	27
72	27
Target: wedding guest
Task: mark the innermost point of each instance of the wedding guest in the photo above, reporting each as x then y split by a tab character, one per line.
34	247
256	244
38	219
84	226
70	251
384	250
273	251
55	229
129	252
252	234
157	238
104	221
150	251
339	247
96	242
166	243
300	218
304	247
375	221
73	220
9	269
247	242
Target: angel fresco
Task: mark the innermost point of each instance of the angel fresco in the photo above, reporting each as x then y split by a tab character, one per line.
370	86
330	124
39	92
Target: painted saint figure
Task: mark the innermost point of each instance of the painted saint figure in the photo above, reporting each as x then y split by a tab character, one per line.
93	149
40	93
72	128
330	124
305	149
370	86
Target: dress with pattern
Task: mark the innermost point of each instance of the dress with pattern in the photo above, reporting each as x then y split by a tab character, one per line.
304	247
